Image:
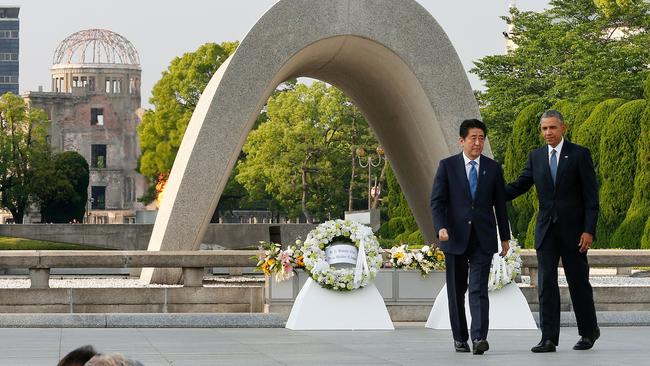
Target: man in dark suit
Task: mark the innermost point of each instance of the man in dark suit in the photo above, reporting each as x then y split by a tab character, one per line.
467	190
567	190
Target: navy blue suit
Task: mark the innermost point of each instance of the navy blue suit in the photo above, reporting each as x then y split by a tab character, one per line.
566	210
472	229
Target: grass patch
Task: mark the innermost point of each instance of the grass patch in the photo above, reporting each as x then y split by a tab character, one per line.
9	243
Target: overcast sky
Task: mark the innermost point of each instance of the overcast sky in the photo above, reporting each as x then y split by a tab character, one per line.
163	29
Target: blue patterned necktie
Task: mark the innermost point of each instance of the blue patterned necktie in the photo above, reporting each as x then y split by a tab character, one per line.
553	164
473	179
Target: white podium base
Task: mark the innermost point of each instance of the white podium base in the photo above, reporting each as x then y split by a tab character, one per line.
508	310
317	308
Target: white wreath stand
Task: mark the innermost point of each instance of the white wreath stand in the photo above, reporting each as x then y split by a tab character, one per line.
508	310
317	308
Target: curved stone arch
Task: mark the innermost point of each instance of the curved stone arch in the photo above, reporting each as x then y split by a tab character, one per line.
390	57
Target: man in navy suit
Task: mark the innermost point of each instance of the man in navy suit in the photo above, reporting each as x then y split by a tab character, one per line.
567	190
467	191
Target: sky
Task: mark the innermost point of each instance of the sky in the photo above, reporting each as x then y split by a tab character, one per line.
163	29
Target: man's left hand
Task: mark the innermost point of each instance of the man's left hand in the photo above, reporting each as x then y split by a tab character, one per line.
585	242
505	247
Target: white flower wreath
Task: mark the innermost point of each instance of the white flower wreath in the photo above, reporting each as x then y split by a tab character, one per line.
505	269
369	259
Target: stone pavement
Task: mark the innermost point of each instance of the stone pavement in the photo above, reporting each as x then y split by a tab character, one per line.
409	344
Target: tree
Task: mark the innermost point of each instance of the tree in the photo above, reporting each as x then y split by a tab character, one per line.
571	51
301	155
630	233
524	138
61	187
618	147
590	131
174	98
401	224
23	145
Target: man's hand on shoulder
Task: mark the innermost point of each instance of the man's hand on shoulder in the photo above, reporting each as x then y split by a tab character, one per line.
443	235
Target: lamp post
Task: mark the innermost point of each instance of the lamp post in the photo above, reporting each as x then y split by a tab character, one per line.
370	163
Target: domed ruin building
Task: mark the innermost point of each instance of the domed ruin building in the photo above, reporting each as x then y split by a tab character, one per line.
94	109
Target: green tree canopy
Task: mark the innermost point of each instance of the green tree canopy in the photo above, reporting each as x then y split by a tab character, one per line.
174	98
23	145
590	131
524	138
618	147
302	154
571	51
629	234
61	187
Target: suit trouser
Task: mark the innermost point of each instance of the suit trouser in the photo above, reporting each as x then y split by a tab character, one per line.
576	268
477	263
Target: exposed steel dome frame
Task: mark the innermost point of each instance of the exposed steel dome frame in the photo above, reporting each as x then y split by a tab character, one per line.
96	46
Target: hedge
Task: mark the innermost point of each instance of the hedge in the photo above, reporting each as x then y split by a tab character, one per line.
524	138
589	133
630	233
618	160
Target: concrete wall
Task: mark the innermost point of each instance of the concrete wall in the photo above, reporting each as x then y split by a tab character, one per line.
136	236
248	299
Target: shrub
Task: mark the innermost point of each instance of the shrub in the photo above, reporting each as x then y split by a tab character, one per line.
618	160
630	232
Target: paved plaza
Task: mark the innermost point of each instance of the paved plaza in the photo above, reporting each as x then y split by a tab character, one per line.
409	344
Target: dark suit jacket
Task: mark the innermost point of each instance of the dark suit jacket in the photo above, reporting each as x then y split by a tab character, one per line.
454	210
572	203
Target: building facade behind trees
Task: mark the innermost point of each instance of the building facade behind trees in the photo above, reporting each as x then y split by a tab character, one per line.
94	109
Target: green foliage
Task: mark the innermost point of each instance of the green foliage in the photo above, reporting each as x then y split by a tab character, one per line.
529	242
629	234
524	138
401	224
567	52
301	156
613	7
618	150
645	240
589	133
578	117
174	97
61	187
23	146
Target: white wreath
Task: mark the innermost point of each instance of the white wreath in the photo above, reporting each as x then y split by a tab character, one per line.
369	259
505	269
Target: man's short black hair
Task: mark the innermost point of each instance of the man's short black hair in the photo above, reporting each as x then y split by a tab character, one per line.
471	123
78	356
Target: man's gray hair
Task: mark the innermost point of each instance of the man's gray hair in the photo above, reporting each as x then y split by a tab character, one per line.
552	113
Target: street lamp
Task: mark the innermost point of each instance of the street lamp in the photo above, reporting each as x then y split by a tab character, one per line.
370	163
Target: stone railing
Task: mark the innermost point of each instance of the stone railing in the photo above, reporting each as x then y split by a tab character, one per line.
192	297
620	259
193	263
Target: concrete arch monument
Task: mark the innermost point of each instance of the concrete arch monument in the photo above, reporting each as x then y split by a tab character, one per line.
390	57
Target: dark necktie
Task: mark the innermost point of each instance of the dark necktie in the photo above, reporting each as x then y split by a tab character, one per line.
553	165
473	179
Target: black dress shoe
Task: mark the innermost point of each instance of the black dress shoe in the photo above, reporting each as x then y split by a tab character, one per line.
480	346
543	347
461	346
585	343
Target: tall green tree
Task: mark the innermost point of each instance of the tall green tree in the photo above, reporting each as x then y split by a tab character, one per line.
630	233
174	98
23	145
401	224
524	138
591	130
302	154
618	150
573	51
61	187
